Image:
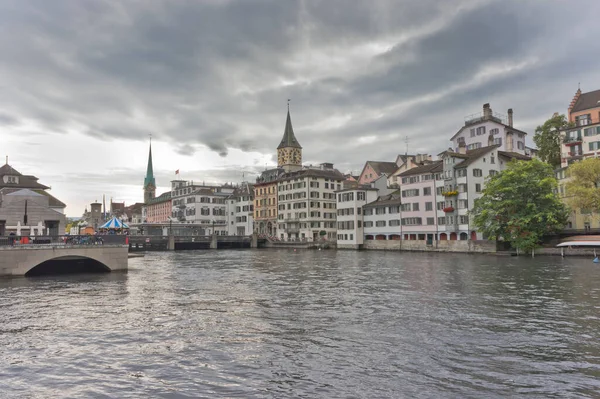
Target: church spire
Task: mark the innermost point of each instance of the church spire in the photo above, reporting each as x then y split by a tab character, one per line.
149	182
289	140
149	170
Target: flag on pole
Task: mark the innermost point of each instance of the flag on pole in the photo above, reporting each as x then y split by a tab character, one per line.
177	172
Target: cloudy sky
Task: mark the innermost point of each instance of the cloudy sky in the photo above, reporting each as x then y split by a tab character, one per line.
84	83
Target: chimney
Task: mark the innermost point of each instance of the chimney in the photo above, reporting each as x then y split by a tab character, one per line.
487	111
509	142
462	148
510	117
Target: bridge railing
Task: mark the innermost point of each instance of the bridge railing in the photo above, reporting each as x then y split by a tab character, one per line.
62	240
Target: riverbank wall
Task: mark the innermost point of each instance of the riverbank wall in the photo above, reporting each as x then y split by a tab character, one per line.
465	246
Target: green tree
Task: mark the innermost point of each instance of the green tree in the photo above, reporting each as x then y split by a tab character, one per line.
583	188
520	206
547	139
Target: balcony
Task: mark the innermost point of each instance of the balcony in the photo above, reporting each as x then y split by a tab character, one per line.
576	153
450	193
448	209
291	230
572	140
587	121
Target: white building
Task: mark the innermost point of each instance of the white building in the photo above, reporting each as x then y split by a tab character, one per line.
202	205
240	210
382	218
350	203
307	203
490	128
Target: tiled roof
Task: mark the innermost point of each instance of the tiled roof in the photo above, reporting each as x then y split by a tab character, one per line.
434	167
269	175
25	181
364	187
6	169
474	155
390	199
515	155
161	198
383	167
587	101
52	201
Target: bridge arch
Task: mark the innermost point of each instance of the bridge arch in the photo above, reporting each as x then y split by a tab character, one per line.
68	265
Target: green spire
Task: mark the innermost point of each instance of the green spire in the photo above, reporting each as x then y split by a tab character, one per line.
149	179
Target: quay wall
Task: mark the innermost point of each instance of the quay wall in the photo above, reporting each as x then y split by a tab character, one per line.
466	246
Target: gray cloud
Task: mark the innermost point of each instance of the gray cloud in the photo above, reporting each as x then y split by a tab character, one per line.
362	75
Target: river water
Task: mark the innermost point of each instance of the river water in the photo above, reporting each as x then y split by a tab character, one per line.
306	324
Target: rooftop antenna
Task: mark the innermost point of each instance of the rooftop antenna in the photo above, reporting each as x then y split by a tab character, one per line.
7	159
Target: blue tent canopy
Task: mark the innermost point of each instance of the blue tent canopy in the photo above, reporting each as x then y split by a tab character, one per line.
114	223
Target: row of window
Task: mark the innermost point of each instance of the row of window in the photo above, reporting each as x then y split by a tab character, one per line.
414	221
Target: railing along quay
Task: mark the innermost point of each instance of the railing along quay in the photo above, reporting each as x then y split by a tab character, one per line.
61	240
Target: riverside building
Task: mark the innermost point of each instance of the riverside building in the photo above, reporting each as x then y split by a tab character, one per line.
307	203
580	141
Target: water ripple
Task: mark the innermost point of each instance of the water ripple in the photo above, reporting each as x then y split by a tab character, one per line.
315	324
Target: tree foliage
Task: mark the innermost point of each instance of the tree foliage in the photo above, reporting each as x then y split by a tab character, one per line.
519	205
583	188
547	139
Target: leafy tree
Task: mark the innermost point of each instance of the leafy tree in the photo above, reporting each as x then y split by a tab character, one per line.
547	139
520	206
583	188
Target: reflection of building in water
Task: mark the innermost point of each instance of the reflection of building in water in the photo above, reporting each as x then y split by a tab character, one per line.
26	206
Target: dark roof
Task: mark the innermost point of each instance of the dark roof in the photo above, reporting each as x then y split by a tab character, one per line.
474	155
510	128
325	173
53	202
364	187
383	167
25	181
390	199
587	101
514	155
434	167
161	198
135	208
269	175
289	140
6	169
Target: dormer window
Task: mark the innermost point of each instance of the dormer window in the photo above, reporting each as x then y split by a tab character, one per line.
11	179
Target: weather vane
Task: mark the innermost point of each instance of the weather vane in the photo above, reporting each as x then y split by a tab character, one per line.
289	104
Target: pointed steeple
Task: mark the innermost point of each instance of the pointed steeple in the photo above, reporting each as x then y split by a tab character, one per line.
289	140
149	179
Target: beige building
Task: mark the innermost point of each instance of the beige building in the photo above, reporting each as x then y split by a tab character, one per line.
307	203
26	207
580	141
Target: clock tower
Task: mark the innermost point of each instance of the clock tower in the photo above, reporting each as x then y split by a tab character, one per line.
289	151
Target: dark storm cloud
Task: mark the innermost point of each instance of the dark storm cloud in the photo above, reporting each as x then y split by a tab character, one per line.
362	75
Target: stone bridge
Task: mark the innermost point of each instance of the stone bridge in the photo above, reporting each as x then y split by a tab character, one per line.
31	260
